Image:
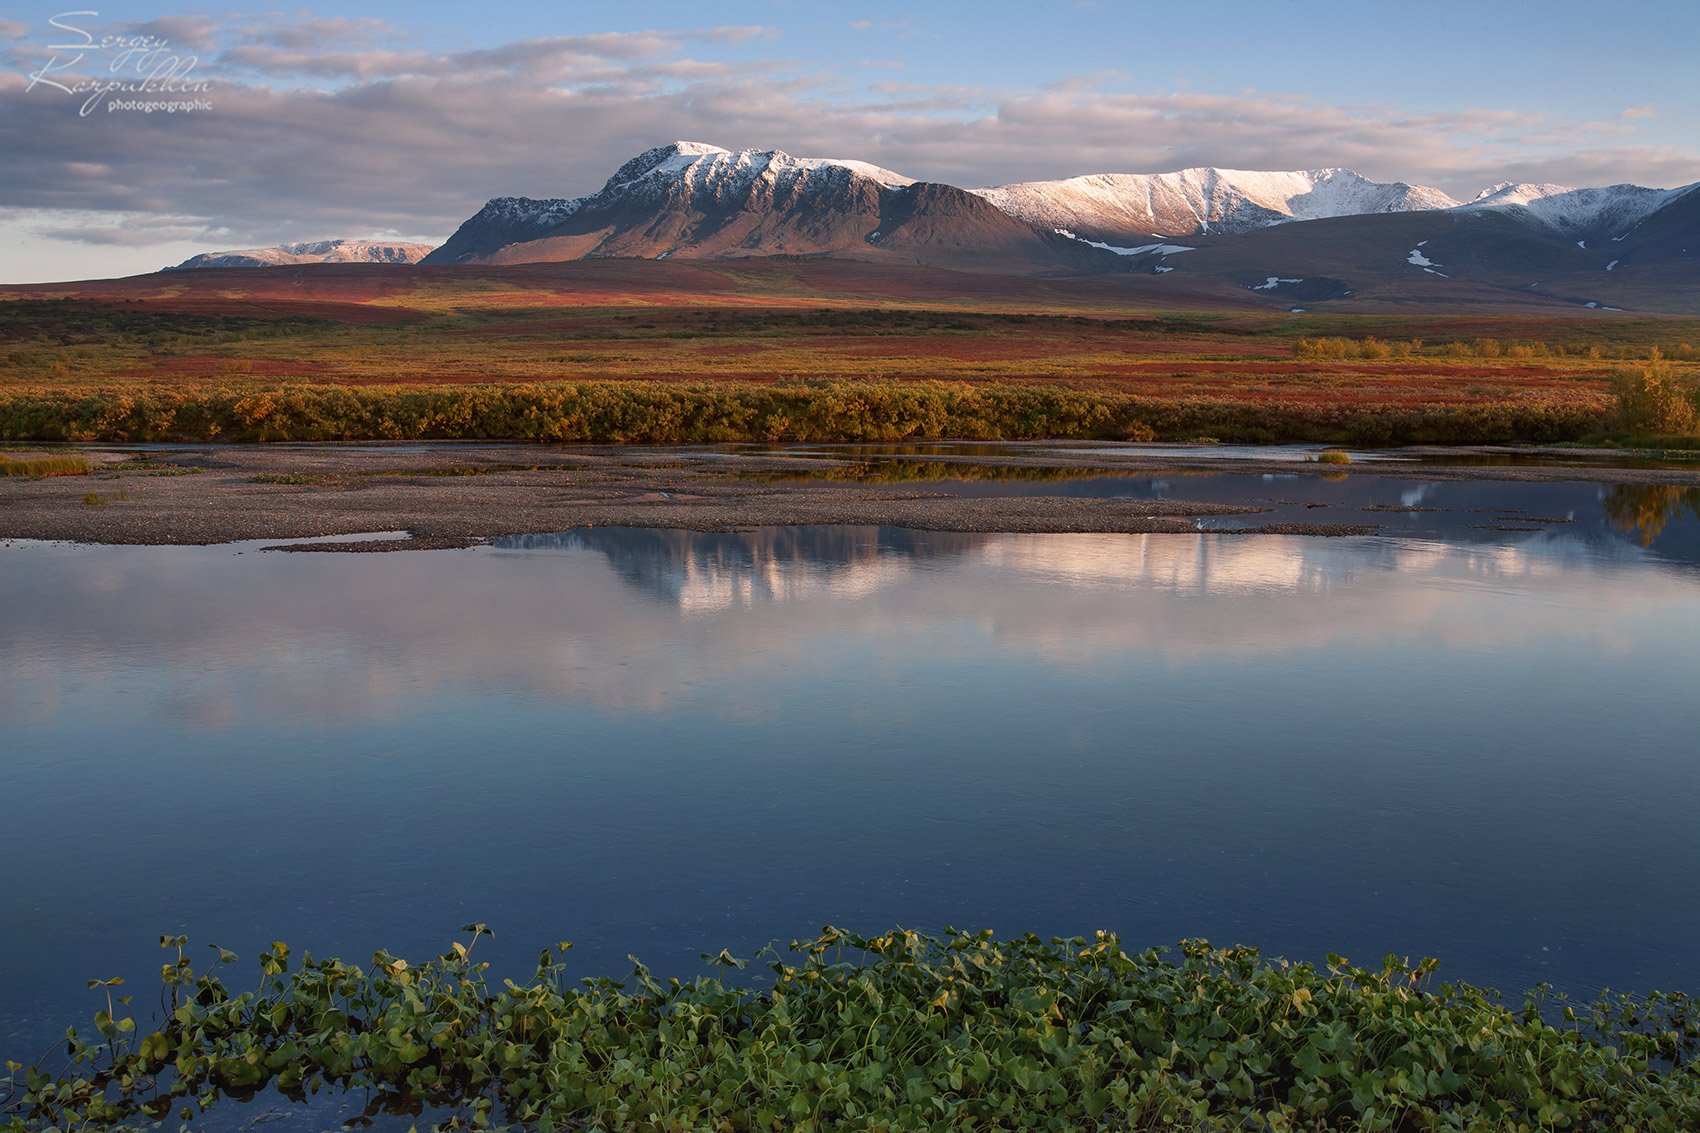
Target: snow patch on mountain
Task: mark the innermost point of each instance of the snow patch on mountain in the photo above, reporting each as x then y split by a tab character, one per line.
1418	259
1140	250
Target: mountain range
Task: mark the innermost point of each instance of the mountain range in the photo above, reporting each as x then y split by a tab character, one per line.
1297	238
695	201
315	252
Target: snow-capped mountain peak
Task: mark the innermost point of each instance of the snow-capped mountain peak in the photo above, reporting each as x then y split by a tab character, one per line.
313	252
659	160
699	189
689	200
1616	208
695	170
694	201
699	165
1517	193
1205	200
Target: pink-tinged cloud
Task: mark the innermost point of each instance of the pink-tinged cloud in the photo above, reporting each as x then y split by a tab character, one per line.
182	33
323	33
738	33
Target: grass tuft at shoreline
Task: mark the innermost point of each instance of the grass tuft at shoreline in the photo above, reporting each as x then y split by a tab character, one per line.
899	1031
43	466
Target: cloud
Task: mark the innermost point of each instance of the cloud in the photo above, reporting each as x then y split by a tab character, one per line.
554	59
267	59
325	127
738	33
1639	112
321	33
903	29
107	232
1062	132
1093	81
184	33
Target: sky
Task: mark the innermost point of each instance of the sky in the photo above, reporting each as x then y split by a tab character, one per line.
400	121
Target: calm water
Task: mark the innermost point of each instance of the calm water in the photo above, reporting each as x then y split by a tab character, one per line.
1451	739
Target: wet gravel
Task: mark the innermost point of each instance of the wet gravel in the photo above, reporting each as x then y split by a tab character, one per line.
457	495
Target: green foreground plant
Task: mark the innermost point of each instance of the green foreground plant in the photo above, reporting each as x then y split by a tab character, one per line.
902	1031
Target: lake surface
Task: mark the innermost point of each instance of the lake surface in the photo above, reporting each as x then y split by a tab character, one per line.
1472	736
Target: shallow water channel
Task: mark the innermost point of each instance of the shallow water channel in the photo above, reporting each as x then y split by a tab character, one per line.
1472	735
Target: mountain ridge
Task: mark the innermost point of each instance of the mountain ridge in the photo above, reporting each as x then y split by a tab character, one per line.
1326	235
334	251
1206	200
1103	210
693	200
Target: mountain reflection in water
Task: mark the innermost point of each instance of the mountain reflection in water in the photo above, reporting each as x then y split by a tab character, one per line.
1603	519
707	571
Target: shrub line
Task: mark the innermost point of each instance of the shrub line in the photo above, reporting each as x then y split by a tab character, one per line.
710	412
